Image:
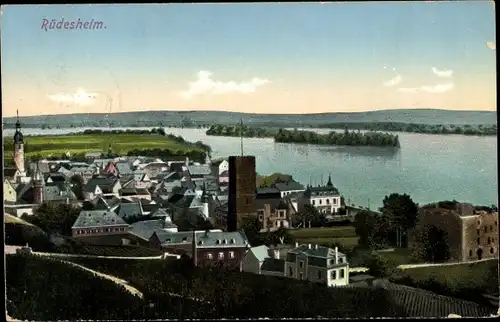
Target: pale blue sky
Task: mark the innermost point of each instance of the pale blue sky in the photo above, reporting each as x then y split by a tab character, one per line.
297	47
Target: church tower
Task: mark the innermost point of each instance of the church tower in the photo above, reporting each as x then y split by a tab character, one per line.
38	186
19	149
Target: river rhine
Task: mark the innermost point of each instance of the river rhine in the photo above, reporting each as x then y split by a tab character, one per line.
427	167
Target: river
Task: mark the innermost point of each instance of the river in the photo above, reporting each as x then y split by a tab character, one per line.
427	167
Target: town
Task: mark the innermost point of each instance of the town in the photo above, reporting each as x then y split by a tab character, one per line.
214	215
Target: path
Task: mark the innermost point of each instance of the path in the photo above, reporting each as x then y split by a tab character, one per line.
92	256
409	266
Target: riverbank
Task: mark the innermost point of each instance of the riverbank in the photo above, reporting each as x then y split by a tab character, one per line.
345	138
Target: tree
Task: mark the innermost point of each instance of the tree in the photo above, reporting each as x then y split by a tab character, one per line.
309	216
431	245
54	218
378	266
402	213
372	229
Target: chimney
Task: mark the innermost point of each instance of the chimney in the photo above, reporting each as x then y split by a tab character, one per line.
336	255
276	254
296	244
309	246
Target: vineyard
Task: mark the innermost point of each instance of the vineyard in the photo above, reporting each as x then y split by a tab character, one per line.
111	250
243	292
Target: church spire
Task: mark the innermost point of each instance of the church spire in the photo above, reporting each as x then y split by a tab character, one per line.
18	136
329	184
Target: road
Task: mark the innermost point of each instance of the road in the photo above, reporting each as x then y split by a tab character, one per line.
92	256
409	266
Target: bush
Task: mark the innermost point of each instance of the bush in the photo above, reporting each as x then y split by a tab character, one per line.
379	266
18	234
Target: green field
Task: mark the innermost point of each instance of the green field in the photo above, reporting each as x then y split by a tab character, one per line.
119	251
343	235
121	143
399	256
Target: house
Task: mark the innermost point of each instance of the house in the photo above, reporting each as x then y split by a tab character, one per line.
102	203
317	264
134	193
91	156
274	213
273	267
124	170
212	247
86	173
54	177
130	210
105	186
254	258
221	166
289	187
145	229
98	223
141	179
154	168
472	231
326	199
9	193
111	169
198	171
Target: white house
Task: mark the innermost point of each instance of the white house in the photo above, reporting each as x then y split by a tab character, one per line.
317	264
254	258
326	199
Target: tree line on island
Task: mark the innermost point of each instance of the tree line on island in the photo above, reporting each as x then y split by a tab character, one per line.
349	138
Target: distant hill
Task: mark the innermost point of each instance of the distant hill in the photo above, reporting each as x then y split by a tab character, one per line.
199	118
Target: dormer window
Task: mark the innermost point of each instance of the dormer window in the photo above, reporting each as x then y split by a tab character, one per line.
184	239
218	241
224	241
232	241
167	240
200	242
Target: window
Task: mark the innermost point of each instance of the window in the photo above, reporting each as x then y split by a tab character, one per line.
492	250
327	201
221	255
231	255
319	275
261	217
224	241
333	275
200	242
491	228
290	271
341	260
217	241
313	202
184	239
232	241
320	201
479	241
485	229
301	276
301	264
209	256
478	232
489	240
334	201
342	273
332	262
470	253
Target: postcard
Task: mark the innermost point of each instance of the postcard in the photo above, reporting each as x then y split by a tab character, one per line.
250	160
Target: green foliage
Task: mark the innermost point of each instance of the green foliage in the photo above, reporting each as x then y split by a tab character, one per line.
19	234
54	218
402	213
308	137
465	281
309	216
269	181
48	290
72	247
236	294
431	245
378	266
372	229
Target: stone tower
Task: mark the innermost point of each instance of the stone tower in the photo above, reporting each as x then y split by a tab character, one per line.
19	149
38	186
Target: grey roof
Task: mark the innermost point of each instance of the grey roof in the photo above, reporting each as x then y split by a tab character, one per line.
275	203
44	167
290	186
321	191
160	212
273	265
265	191
145	229
98	218
105	183
58	191
123	168
321	251
131	209
208	239
199	170
260	252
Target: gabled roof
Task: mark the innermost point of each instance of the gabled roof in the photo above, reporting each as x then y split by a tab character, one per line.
289	186
129	210
273	265
105	183
321	251
160	212
58	191
98	218
146	228
199	170
207	239
260	252
123	168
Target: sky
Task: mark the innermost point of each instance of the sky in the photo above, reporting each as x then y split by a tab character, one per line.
287	58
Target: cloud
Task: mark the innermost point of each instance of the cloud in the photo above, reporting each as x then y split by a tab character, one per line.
442	73
392	82
80	98
438	88
205	84
410	90
492	45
